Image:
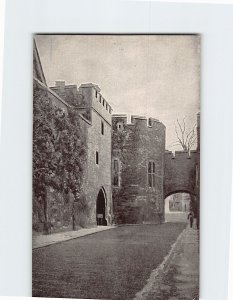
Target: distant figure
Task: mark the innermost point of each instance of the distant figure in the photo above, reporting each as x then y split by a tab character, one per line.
190	218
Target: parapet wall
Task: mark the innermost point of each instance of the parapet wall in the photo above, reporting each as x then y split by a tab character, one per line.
137	120
181	155
95	101
180	172
86	98
69	93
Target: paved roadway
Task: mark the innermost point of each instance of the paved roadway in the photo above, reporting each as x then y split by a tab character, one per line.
113	264
176	217
180	280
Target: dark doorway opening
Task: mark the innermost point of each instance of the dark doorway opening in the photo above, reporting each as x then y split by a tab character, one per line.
100	209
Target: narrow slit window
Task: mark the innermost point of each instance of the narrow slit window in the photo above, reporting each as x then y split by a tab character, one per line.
97	157
102	127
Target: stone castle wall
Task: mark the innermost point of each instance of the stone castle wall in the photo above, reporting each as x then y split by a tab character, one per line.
134	145
98	141
96	110
60	207
180	172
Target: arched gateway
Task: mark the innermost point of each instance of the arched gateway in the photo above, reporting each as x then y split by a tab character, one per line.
181	173
101	208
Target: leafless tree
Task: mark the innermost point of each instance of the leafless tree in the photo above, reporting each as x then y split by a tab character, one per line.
185	138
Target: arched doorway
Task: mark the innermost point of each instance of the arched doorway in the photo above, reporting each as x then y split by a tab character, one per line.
100	208
177	207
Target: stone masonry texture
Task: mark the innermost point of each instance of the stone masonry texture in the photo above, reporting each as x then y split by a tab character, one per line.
97	113
180	172
134	146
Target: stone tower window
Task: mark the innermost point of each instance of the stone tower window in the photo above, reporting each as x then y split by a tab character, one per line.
120	126
100	98
103	102
149	122
116	172
151	173
97	157
96	94
102	127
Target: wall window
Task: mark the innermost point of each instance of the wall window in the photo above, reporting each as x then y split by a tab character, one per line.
100	98
97	157
103	102
120	126
96	94
116	172
149	122
151	174
102	127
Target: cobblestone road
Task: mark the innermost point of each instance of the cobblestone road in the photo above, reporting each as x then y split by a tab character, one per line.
113	264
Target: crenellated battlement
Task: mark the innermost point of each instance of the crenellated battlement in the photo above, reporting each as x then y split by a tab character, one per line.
86	98
92	92
68	92
141	121
122	117
181	154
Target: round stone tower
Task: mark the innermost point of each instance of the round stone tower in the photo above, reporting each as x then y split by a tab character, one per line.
137	169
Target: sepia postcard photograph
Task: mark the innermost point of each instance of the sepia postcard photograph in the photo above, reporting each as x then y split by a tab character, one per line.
116	166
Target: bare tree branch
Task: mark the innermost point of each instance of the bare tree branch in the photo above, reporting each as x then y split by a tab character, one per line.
182	130
188	135
191	144
177	135
185	139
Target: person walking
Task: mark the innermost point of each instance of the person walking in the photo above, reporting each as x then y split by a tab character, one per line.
190	218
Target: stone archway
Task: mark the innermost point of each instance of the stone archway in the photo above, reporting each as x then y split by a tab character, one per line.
180	172
101	208
177	206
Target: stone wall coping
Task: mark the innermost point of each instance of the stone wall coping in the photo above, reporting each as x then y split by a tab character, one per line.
138	117
119	116
83	85
66	86
181	153
90	84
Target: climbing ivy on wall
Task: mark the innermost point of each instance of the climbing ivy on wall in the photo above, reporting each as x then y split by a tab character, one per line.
59	153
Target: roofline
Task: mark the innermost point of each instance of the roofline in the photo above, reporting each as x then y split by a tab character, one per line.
38	56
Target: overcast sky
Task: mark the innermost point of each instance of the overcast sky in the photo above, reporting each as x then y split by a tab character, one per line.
150	75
